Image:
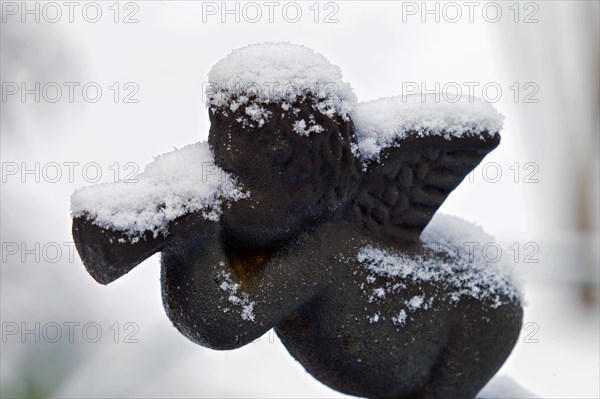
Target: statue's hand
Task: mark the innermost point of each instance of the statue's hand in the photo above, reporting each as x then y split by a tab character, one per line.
109	254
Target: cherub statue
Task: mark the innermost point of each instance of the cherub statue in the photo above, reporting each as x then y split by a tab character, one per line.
314	215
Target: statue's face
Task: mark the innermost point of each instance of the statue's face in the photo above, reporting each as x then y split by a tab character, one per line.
294	180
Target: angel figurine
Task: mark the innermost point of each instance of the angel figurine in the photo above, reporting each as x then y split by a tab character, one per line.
315	215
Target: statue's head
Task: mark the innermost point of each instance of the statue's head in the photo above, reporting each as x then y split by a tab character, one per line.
283	130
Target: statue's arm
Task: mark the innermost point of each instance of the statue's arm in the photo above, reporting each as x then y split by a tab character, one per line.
224	302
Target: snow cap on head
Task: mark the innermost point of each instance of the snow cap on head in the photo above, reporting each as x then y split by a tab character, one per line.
278	73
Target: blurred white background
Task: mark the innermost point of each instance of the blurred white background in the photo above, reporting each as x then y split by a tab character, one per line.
542	55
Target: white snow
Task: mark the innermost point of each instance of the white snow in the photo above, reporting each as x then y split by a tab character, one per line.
301	129
377	293
278	73
385	122
178	182
236	296
258	114
416	302
461	264
400	319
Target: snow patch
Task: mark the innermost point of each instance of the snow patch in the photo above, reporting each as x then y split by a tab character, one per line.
416	302
236	297
377	293
400	319
178	182
257	114
302	130
386	122
466	273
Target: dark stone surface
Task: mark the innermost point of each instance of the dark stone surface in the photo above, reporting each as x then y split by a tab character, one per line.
292	249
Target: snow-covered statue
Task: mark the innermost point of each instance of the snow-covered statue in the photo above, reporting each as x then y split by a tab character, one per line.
315	215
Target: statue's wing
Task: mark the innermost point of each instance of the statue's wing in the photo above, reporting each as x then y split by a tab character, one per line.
400	192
